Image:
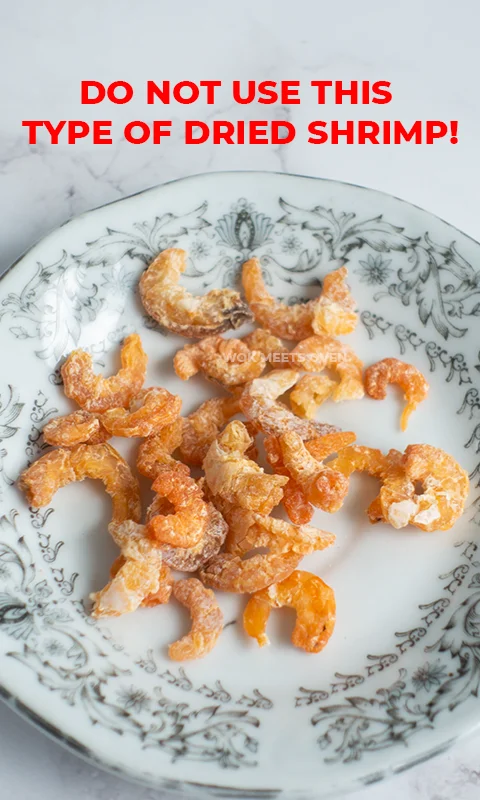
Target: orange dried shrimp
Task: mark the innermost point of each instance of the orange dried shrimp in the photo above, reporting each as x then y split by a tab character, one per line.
248	530
177	310
95	393
237	479
271	346
202	426
445	487
162	595
149	411
332	312
229	573
229	362
98	461
309	394
220	525
324	487
408	377
207	620
335	308
81	427
294	499
184	527
357	458
156	450
259	403
189	559
311	598
136	579
325	352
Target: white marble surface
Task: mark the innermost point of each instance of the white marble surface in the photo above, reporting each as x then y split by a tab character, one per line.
428	50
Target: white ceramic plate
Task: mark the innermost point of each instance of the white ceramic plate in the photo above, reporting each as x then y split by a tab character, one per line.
398	681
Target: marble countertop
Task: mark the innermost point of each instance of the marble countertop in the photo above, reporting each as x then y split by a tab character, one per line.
427	50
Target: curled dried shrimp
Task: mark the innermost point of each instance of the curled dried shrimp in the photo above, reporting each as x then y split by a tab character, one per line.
189	559
332	312
95	393
229	362
335	308
162	595
248	530
137	578
99	461
408	377
180	312
311	598
207	620
444	485
324	487
185	526
325	352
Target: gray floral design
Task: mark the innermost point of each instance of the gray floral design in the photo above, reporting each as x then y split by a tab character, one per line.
200	249
429	676
59	299
290	244
132	698
361	724
51	644
374	270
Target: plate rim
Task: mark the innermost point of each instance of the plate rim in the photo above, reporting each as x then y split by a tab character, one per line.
73	745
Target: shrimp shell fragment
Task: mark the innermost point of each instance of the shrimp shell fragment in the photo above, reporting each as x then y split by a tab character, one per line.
313	601
99	461
325	352
81	427
408	377
331	312
207	620
259	403
150	410
229	362
229	573
235	478
180	312
95	393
